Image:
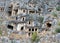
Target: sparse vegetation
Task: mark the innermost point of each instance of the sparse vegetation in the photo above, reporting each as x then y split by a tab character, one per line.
54	14
57	30
0	32
58	8
59	23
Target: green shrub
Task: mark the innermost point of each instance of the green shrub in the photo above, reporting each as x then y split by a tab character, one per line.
34	36
54	14
57	30
58	8
40	19
59	23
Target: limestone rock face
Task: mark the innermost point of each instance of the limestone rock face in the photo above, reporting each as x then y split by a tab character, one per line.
20	18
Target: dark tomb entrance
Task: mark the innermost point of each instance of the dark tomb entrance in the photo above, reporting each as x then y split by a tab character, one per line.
22	28
49	24
29	34
29	29
10	27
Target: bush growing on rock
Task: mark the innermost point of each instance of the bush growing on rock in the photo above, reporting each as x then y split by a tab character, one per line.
54	14
59	23
35	37
58	8
40	19
57	30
